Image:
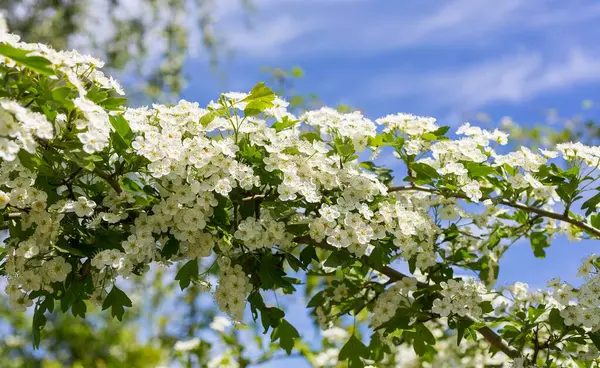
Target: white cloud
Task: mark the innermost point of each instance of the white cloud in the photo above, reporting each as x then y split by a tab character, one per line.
295	28
268	40
489	51
511	78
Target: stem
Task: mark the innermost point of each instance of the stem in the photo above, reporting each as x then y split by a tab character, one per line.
553	215
536	345
109	179
492	337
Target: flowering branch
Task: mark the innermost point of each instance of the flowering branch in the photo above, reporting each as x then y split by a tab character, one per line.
553	215
200	160
491	336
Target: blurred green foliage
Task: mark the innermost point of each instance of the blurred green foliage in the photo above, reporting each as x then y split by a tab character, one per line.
149	39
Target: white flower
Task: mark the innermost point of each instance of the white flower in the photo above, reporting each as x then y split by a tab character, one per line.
187	345
8	149
84	207
472	191
220	323
519	362
335	334
223	187
4	199
329	213
92	142
549	154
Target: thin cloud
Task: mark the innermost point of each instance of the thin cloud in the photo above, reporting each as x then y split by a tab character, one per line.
308	29
512	78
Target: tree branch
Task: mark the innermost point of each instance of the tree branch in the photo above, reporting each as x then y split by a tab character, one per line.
109	179
492	337
553	215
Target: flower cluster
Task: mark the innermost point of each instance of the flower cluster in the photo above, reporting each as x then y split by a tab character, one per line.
352	126
397	296
232	289
93	127
460	297
360	225
19	127
580	306
263	232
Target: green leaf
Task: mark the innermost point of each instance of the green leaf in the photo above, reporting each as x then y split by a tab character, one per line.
208	118
422	340
256	303
284	123
441	131
35	63
378	348
566	190
119	144
271	272
37	324
261	97
271	317
308	254
117	300
61	93
131	186
555	319
294	262
32	162
353	351
539	241
260	92
339	258
79	308
425	334
461	326
424	171
122	127
114	103
476	169
595	221
311	137
286	334
39	319
534	312
170	248
429	137
317	300
94	158
486	306
595	337
186	273
376	141
590	204
65	248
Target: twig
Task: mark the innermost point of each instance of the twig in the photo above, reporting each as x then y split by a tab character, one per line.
536	345
553	215
109	179
253	197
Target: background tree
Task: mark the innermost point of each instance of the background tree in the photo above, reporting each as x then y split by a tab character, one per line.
150	39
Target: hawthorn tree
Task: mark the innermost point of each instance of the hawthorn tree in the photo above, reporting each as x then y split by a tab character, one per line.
92	192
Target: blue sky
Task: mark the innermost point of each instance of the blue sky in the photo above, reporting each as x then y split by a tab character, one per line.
449	59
